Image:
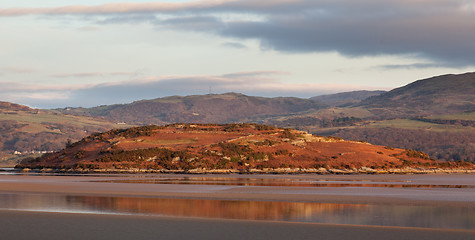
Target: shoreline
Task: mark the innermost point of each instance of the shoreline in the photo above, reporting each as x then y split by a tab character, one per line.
276	171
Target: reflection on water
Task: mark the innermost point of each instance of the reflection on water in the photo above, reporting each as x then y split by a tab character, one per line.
451	217
6	171
281	182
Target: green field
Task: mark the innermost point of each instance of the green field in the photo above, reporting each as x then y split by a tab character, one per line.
27	131
414	124
46	121
470	116
342	112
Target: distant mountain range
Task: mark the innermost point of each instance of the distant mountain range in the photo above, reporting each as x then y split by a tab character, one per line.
346	98
446	94
211	108
436	115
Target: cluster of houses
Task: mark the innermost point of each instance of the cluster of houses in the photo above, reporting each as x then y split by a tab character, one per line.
31	152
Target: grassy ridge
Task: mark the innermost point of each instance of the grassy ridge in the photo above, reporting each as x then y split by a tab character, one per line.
32	131
468	116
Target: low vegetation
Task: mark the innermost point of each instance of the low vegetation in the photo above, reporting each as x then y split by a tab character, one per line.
239	147
448	146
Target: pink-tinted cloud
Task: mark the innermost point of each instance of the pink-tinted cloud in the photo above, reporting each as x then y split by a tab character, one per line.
270	6
114	8
92	74
13	87
17	70
254	74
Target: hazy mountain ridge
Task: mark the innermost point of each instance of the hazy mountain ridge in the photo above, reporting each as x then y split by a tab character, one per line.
346	98
211	108
446	94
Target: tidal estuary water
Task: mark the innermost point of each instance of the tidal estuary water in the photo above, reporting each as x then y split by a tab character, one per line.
423	201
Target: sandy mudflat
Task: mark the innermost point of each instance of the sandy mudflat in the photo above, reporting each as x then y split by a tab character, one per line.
34	225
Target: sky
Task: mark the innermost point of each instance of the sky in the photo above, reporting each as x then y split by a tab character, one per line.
84	53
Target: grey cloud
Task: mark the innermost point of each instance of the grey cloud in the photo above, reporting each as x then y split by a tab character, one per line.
450	44
67	75
234	45
193	23
409	66
252	74
162	7
437	31
126	18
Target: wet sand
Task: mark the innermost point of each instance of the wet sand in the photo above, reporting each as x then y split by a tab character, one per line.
51	226
42	225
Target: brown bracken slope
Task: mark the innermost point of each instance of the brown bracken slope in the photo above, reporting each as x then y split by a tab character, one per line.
229	147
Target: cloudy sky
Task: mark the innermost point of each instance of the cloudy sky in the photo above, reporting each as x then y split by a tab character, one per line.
58	53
